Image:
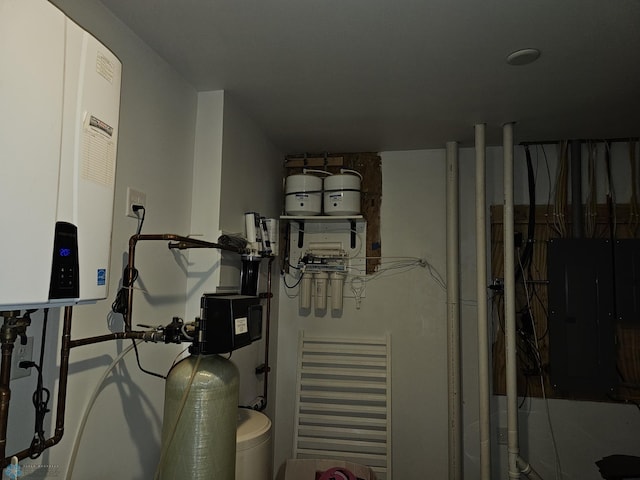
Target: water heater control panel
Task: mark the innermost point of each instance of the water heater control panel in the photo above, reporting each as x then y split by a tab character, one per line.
64	269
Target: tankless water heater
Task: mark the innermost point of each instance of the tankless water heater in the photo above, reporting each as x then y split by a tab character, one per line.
59	107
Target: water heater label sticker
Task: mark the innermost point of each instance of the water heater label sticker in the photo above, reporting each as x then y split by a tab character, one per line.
104	67
99	151
102	276
242	325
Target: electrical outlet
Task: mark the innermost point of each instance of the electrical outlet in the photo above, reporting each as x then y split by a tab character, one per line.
502	436
134	197
21	353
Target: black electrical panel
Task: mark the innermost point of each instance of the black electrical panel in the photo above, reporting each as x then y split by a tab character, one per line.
582	355
627	280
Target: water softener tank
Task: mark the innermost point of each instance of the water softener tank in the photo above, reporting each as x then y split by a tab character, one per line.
253	446
200	420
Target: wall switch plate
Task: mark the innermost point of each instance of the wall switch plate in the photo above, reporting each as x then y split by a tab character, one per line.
134	197
21	353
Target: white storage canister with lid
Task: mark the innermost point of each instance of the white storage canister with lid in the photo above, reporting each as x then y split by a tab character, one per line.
253	446
303	194
342	194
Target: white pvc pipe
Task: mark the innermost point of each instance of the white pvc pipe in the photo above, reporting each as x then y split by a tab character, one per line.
527	470
510	306
453	316
483	328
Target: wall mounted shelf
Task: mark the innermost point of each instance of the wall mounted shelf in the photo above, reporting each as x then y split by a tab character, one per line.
301	219
321	217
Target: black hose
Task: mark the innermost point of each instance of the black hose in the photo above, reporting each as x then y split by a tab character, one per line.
40	398
527	252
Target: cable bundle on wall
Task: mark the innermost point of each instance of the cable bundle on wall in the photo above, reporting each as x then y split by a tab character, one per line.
590	211
560	197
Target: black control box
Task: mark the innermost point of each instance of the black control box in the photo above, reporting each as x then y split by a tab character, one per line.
226	323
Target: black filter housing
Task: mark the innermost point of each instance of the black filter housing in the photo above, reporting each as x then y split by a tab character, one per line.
226	323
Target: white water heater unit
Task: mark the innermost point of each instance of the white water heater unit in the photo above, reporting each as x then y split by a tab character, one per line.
59	108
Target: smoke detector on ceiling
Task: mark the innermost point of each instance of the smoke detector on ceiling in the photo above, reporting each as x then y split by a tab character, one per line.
523	56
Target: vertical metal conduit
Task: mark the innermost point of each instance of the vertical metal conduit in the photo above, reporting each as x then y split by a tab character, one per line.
483	327
453	315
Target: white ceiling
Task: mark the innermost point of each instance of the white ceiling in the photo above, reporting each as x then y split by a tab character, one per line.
375	75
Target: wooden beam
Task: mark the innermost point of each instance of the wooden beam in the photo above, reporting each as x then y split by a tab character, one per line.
314	162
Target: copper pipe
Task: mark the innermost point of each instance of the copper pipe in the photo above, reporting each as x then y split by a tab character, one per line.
64	373
182	243
65	349
62	397
266	340
5	391
67	344
148	336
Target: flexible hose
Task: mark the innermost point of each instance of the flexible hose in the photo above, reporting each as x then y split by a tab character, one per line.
183	401
85	416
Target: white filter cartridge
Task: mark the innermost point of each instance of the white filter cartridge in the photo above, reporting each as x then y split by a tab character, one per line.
273	230
266	241
305	291
252	227
337	285
321	279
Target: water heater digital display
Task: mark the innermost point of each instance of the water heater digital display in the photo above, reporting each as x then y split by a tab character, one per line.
65	280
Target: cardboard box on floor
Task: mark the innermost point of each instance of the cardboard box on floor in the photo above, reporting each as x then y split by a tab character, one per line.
307	469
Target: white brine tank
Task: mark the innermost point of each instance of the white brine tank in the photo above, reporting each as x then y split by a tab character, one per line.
253	446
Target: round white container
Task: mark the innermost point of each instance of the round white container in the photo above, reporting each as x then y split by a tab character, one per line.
303	195
342	195
253	446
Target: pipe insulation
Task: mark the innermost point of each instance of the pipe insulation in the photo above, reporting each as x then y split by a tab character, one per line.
453	315
483	327
510	305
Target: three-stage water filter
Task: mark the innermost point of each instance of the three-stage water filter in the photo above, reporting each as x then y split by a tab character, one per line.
319	285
